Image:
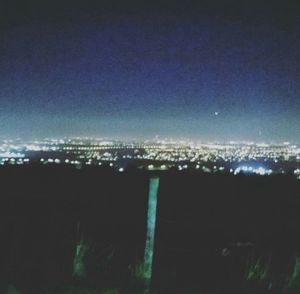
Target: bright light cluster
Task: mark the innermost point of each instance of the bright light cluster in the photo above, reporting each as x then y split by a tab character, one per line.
252	170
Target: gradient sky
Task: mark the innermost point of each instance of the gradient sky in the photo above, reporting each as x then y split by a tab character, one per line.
140	70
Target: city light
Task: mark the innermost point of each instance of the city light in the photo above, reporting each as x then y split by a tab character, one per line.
163	154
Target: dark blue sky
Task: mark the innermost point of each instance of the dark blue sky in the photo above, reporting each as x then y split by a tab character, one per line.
138	71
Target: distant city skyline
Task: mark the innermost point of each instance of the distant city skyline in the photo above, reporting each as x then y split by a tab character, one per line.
184	141
158	154
200	70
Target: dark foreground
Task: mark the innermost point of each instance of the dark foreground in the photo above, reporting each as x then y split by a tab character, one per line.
215	233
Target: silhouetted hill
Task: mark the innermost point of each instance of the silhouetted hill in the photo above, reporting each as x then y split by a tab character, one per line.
214	231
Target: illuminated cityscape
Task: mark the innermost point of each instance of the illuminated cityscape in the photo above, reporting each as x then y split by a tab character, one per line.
158	154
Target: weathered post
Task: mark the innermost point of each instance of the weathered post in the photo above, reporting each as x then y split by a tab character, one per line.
151	221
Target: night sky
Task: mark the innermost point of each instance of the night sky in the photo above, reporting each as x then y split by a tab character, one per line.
203	70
